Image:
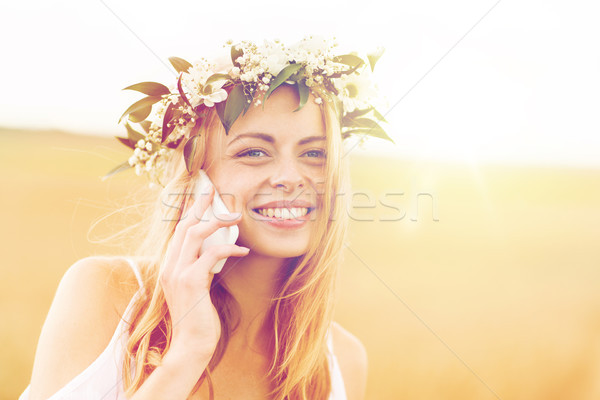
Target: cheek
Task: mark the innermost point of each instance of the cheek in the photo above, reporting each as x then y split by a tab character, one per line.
317	177
230	186
241	186
236	193
233	198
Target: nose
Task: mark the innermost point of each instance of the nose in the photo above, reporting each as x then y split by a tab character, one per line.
287	176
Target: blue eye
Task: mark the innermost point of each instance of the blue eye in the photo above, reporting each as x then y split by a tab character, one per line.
319	153
250	151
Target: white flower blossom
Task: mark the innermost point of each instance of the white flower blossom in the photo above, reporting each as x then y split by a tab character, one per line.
215	97
356	90
275	58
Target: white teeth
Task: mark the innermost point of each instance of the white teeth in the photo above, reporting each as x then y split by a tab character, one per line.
284	213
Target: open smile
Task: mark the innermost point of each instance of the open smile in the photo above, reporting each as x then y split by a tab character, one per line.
284	217
284	212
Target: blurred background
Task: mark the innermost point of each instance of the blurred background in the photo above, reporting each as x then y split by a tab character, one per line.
472	262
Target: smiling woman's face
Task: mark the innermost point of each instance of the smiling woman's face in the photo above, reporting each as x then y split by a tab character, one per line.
271	157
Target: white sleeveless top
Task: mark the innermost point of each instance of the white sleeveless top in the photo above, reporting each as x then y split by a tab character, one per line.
102	379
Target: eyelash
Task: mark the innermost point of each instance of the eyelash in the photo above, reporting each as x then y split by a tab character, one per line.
244	153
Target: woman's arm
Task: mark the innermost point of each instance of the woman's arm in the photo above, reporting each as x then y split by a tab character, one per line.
98	289
93	289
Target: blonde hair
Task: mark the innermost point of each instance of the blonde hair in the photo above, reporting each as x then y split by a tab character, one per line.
302	310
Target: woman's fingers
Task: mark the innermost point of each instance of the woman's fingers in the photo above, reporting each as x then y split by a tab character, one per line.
195	235
218	252
195	211
191	215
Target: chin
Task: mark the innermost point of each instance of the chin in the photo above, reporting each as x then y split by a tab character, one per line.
272	244
287	252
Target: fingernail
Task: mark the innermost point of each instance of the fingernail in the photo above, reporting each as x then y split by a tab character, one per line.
244	248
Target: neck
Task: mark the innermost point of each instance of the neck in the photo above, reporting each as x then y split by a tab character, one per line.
253	281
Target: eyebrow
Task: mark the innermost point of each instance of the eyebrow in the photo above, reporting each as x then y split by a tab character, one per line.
271	139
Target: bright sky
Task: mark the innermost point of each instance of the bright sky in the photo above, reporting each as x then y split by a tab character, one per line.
522	86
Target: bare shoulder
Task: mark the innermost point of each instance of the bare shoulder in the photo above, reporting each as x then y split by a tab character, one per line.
352	357
93	289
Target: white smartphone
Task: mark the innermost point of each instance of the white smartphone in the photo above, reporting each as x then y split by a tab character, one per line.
224	235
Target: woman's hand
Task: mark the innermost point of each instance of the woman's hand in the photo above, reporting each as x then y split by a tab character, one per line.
185	278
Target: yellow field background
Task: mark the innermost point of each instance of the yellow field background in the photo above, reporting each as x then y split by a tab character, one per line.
482	283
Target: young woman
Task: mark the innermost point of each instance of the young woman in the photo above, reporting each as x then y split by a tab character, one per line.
160	325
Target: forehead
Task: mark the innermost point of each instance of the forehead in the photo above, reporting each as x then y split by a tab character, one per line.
279	120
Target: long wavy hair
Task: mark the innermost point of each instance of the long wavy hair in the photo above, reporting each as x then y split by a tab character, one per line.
302	310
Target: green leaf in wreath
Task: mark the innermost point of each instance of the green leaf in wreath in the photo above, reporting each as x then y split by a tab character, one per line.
363	123
247	104
127	142
220	108
378	115
140	115
349	59
356	113
349	117
150	88
235	104
217	77
281	77
132	134
142	104
146	126
298	75
180	64
375	132
189	152
121	167
302	93
354	62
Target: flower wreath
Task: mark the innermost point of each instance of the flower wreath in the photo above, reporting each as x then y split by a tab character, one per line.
181	109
